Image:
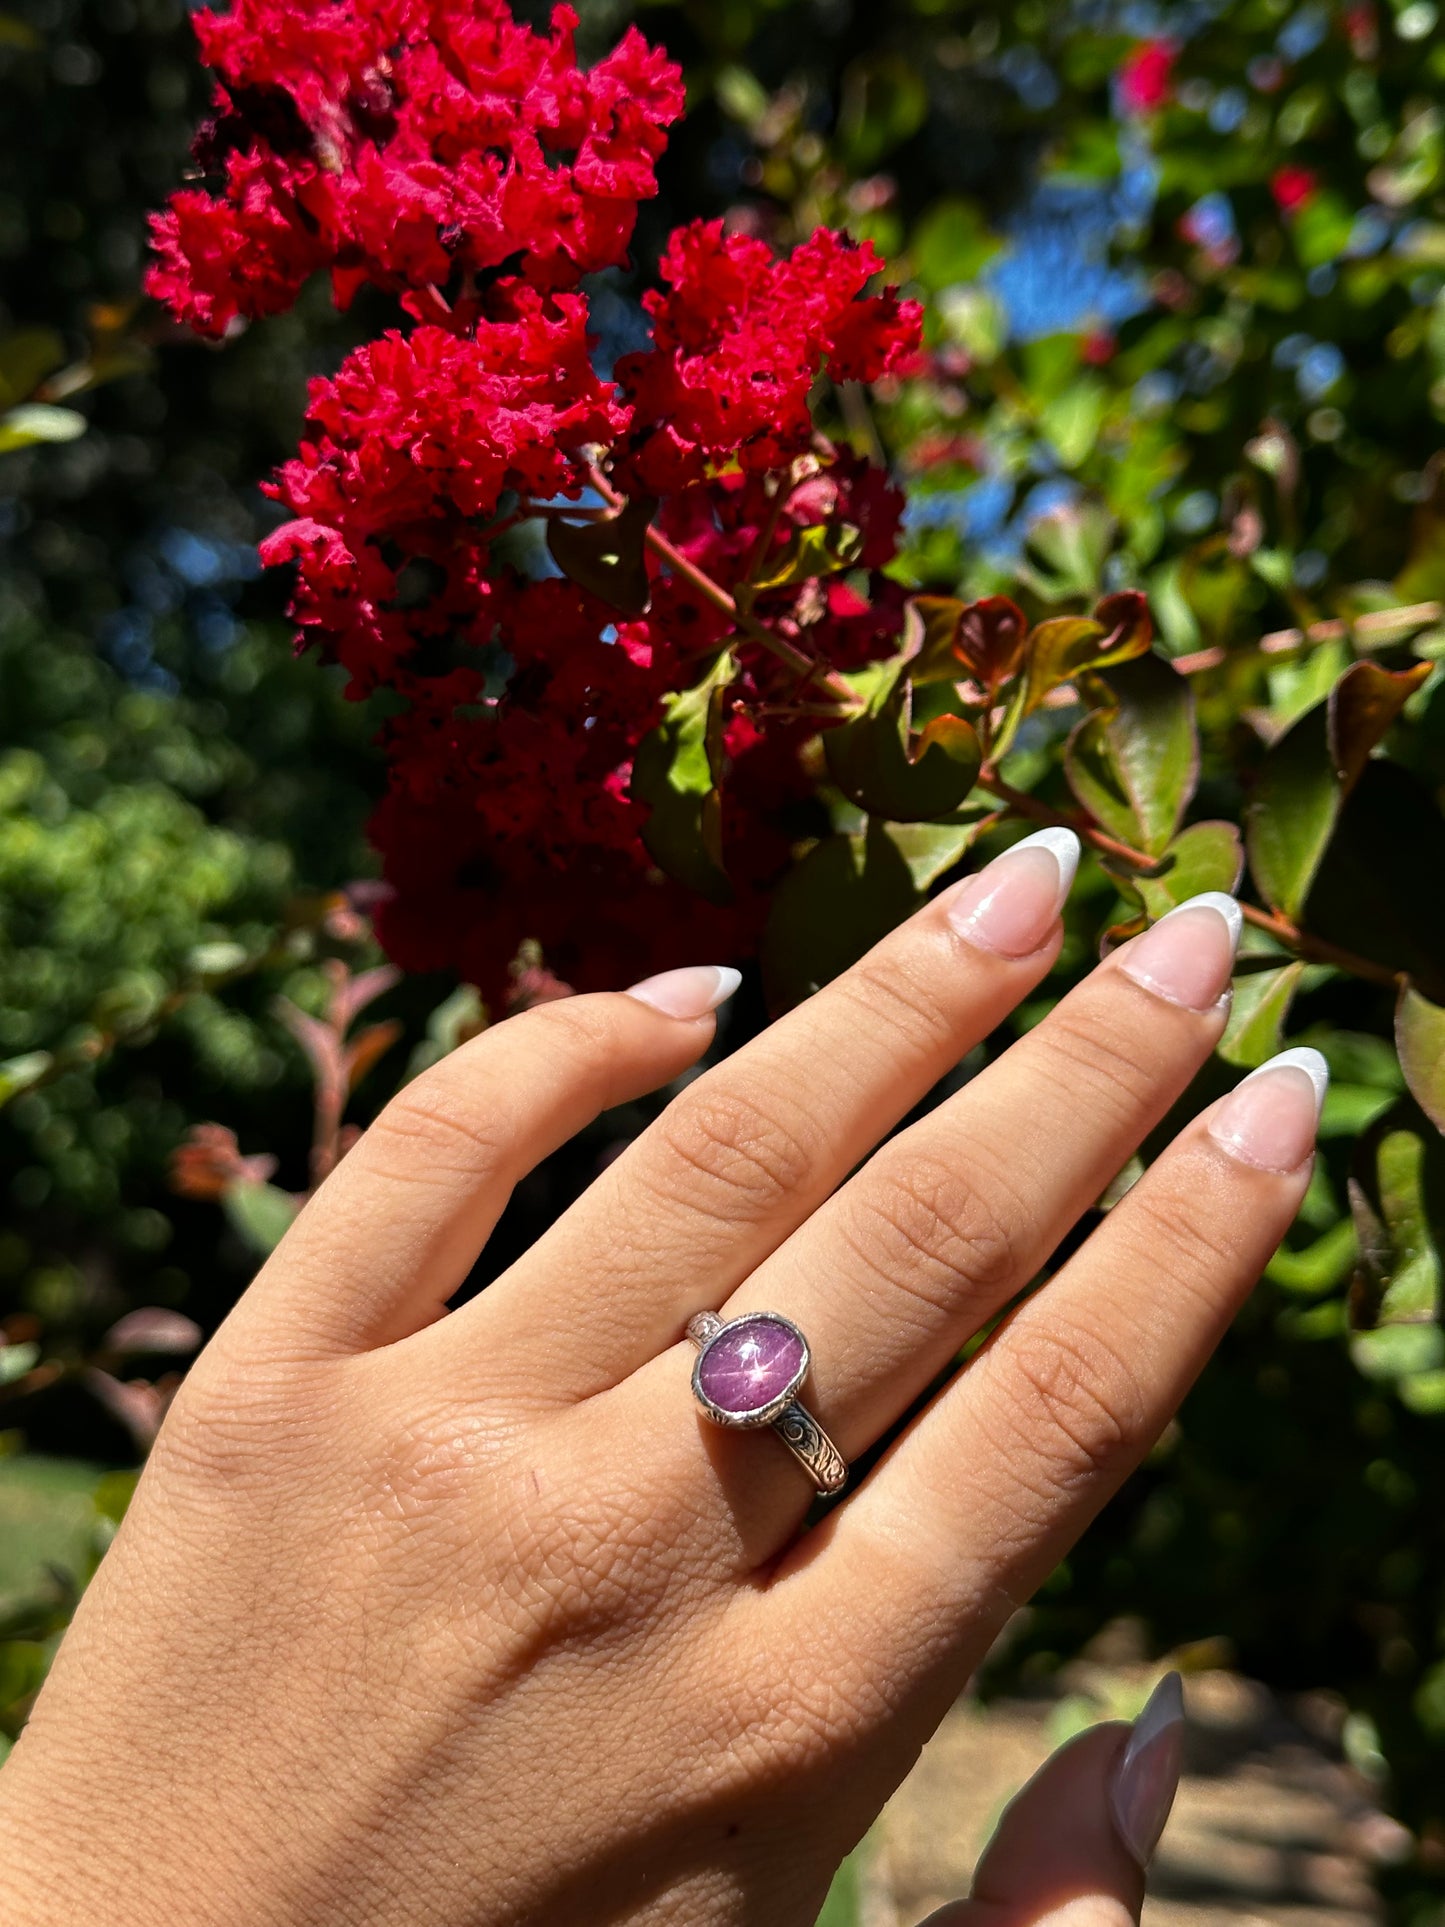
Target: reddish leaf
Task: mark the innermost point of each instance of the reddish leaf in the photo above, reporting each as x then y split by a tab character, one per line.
319	1041
367	1048
1128	626
353	994
154	1328
210	1159
933	620
989	639
1363	704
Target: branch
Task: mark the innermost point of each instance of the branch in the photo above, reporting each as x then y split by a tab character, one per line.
1379	624
1311	948
811	672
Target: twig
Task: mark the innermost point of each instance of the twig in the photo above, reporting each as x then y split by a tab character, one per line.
1378	623
812	672
1313	949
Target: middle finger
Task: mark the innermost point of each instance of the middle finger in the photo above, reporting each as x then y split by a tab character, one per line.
955	1215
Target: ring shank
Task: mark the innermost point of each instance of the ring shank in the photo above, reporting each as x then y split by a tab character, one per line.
794	1425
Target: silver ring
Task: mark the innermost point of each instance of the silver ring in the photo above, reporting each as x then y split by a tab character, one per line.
748	1373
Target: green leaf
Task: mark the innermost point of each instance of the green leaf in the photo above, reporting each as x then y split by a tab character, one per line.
37	421
1065	551
1072	420
1256	1021
27	356
879	764
884	103
846	894
677	771
608	556
1320	1266
47	1519
1397	1200
823	548
932	849
1135	762
1063	648
17	1074
1206	856
1420	1040
1363	705
1292	814
261	1214
951	243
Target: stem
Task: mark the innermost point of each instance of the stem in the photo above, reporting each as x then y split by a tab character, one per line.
808	668
1377	623
1311	948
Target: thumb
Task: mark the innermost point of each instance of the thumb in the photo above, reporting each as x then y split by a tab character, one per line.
1072	1847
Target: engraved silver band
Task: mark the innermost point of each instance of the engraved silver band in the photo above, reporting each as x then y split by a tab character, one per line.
792	1421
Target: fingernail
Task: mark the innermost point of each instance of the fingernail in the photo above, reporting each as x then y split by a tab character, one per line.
690	992
1146	1777
1014	902
1188	956
1270	1119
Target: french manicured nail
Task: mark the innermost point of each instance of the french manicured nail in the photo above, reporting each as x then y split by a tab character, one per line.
1270	1119
1012	904
1188	956
1146	1777
690	992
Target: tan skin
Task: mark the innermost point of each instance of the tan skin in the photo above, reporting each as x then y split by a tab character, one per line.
470	1620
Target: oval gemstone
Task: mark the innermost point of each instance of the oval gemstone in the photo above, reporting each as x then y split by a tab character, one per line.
750	1364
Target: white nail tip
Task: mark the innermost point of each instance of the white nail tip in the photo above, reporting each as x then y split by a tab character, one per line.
1062	845
1218	900
1300	1058
1164	1707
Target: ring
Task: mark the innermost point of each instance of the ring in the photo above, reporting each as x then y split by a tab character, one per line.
748	1373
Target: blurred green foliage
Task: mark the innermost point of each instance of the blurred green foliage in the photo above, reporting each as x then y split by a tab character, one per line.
1195	345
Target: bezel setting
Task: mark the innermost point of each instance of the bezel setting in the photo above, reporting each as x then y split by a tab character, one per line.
778	1404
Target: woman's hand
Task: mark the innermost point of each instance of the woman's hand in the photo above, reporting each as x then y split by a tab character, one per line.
473	1618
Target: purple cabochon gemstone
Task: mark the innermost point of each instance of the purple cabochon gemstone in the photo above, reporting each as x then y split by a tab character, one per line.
750	1364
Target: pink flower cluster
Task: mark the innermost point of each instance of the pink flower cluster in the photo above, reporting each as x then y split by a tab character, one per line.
467	166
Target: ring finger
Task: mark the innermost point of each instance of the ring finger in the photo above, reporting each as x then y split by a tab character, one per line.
955	1215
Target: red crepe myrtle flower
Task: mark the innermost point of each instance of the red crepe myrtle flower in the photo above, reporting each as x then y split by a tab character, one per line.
1145	78
1293	188
466	166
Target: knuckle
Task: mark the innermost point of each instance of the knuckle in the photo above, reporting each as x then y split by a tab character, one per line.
888	996
939	1229
437	1127
1170	1229
1101	1066
1075	1399
747	1152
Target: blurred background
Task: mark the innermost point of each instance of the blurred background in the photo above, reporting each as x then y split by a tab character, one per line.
1186	268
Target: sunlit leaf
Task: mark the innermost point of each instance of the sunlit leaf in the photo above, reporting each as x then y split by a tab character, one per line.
1420	1040
822	548
1206	856
608	556
933	632
1261	1004
677	771
932	849
847	893
17	1074
989	640
951	243
1063	647
37	421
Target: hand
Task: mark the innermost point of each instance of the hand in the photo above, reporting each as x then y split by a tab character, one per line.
421	1618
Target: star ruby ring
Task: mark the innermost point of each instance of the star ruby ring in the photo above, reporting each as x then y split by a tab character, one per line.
748	1373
